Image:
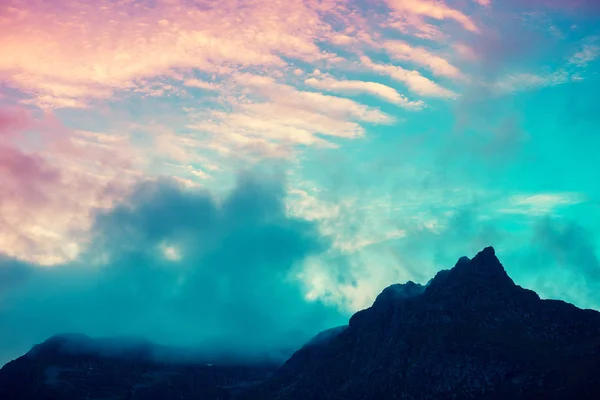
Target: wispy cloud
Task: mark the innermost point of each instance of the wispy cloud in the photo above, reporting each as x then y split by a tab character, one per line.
403	51
589	52
540	204
145	41
524	81
432	9
197	83
356	87
414	81
279	115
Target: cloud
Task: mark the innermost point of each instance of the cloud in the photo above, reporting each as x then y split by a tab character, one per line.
465	51
312	101
272	117
51	176
20	173
12	122
414	25
512	83
436	221
432	9
146	40
589	52
401	50
178	267
415	82
197	83
356	87
23	175
541	203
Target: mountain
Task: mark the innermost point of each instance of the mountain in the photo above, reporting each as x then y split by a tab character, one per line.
76	367
469	333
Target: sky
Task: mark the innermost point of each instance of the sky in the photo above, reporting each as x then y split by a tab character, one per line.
254	171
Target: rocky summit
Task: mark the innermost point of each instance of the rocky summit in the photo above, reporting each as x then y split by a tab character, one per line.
469	333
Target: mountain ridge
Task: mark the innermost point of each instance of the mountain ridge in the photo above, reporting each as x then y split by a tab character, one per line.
471	333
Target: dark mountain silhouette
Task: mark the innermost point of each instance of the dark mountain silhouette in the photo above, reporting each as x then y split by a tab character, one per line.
470	333
70	367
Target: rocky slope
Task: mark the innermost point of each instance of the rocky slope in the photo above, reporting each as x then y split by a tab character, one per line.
470	333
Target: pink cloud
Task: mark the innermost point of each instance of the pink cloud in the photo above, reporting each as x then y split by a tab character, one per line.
432	9
401	50
464	51
357	87
25	169
13	121
413	25
197	83
272	117
314	102
63	54
224	48
49	190
415	82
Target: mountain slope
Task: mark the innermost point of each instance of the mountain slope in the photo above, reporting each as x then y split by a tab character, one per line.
74	367
470	333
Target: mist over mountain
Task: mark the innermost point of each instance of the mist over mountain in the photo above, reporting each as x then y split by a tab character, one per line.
177	267
469	333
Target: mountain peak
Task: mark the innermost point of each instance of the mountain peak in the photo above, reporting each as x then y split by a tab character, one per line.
484	263
488	251
397	292
487	256
482	273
